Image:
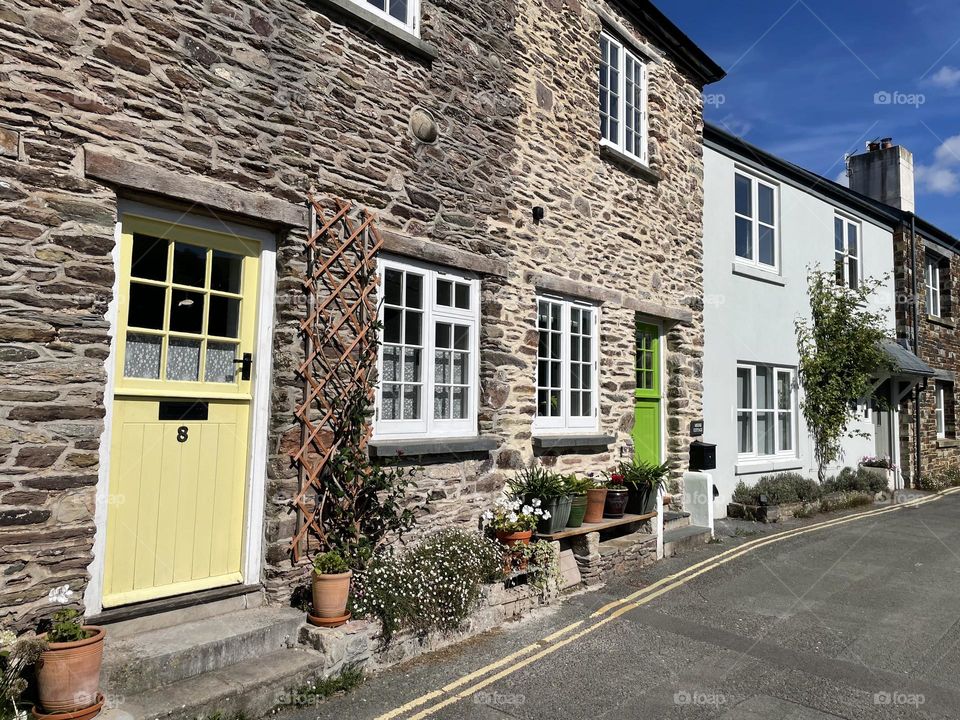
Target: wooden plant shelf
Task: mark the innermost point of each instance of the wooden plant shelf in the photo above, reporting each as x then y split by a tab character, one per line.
596	527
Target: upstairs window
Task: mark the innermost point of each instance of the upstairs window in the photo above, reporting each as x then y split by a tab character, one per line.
623	99
428	352
935	268
766	411
566	365
943	397
846	253
756	220
403	13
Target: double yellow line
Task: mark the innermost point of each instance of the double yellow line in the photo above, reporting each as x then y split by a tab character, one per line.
487	675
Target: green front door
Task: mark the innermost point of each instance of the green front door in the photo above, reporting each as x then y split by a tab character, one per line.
646	426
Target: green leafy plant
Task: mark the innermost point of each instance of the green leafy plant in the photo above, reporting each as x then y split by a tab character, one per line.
574	485
330	563
840	351
67	627
856	480
881	461
543	566
17	655
778	489
639	474
431	586
350	677
536	481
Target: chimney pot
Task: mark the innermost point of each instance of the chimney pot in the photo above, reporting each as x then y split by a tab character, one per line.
887	143
873	146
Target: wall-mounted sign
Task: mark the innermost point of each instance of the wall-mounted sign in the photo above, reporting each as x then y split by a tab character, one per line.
696	428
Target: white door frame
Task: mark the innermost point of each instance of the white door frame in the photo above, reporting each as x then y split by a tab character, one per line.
255	498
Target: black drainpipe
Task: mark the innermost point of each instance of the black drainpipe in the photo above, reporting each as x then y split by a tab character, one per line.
916	347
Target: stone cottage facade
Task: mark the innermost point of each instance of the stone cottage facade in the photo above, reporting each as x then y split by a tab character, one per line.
154	164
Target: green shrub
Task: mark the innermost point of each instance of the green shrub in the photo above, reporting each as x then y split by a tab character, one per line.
432	586
932	482
856	480
578	485
845	502
330	563
780	489
67	627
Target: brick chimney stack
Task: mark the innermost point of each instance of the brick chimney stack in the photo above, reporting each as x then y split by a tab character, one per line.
885	173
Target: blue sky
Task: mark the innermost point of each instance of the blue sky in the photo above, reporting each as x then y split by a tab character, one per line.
803	78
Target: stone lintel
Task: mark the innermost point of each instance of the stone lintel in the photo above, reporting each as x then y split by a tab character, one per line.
430	251
589	291
111	169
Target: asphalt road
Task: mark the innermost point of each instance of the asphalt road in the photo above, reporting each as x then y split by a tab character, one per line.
859	620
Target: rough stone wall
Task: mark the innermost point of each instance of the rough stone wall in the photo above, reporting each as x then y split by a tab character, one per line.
939	347
277	97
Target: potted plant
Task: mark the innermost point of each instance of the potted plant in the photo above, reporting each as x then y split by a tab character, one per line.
539	487
882	467
643	481
331	588
68	671
577	489
617	496
512	523
596	500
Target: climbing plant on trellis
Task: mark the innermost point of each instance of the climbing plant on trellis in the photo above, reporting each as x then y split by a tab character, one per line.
339	333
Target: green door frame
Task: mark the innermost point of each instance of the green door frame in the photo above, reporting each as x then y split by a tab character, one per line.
647	426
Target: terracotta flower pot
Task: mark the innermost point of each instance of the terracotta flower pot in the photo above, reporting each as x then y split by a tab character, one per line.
596	497
85	714
330	593
615	503
578	509
68	673
511	540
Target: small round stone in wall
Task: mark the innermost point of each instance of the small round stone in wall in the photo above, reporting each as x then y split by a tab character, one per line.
423	126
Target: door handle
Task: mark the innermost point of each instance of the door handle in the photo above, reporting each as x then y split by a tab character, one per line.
245	363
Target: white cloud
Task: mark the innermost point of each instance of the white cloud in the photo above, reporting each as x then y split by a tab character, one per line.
942	176
946	77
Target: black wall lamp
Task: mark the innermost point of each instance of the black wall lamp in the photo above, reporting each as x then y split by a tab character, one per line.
538	214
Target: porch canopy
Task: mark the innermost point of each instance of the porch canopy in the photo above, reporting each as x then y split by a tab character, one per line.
906	370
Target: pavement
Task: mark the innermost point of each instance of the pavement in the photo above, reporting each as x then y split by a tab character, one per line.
858	618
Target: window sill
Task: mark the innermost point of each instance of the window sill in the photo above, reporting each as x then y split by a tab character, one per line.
384	448
757	467
630	163
945	322
547	442
755	273
384	28
948	442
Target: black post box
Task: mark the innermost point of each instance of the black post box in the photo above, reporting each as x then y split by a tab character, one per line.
703	456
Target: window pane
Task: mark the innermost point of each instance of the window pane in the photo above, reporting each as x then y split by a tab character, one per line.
586	349
461	368
543	407
555	317
744	196
443	335
398	9
183	359
412	328
461	337
391	363
744	238
224	317
838	268
764	388
460	402
838	235
853	240
575	404
149	258
556	408
767	246
441	403
743	388
146	306
543	373
142	356
441	367
392	324
765	202
586	400
391	402
414	297
220	366
186	311
765	434
411	365
463	296
444	293
225	272
393	287
575	375
554	345
411	402
784	391
744	432
189	265
786	432
853	270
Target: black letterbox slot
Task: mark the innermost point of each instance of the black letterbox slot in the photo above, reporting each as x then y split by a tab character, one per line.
183	410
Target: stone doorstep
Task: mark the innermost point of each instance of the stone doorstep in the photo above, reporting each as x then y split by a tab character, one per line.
673	519
685	538
161	657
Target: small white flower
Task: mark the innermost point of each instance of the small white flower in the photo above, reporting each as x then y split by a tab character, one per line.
527	510
60	595
546	514
512	517
535	502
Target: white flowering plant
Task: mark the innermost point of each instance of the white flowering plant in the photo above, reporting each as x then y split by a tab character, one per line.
510	515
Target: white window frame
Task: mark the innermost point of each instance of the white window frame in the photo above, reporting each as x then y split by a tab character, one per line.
565	423
627	56
753	454
412	24
755	182
842	255
427	425
940	410
931	281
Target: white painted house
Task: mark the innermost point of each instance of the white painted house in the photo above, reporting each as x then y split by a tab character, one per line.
766	222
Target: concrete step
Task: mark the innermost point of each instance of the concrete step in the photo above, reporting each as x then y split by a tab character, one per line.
249	689
153	659
680	539
673	519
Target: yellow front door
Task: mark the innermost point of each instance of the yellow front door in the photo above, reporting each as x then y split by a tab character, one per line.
181	411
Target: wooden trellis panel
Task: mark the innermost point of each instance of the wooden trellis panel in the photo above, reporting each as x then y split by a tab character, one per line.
339	336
